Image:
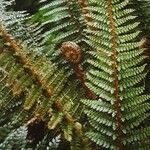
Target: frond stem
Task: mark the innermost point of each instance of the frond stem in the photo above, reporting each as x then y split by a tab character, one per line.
117	103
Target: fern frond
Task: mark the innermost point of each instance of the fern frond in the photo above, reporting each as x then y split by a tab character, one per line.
20	26
72	60
41	89
15	139
117	76
142	6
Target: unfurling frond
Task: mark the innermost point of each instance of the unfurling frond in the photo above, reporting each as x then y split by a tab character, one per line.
35	87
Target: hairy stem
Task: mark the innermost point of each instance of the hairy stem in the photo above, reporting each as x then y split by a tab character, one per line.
80	74
72	53
117	103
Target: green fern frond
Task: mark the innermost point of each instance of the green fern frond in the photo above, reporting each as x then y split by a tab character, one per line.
72	76
117	76
15	139
142	6
60	16
20	26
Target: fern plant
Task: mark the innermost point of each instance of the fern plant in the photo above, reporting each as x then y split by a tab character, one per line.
46	95
144	8
36	88
116	76
68	58
15	139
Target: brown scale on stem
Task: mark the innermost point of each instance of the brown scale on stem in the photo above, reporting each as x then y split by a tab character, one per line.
72	53
24	60
117	102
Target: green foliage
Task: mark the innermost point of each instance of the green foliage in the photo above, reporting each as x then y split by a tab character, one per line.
52	145
143	12
16	139
36	87
39	89
122	106
64	21
19	26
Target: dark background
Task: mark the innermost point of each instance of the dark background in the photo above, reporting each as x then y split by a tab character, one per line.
29	5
